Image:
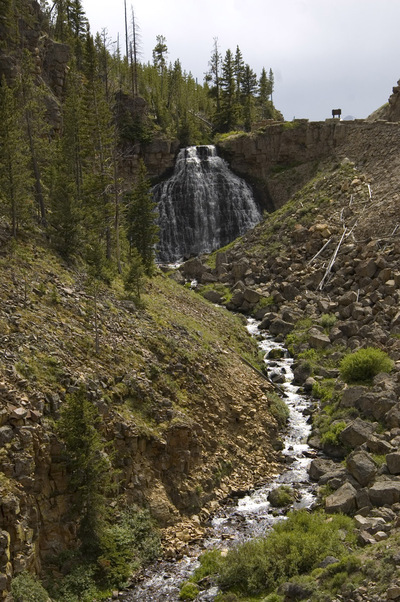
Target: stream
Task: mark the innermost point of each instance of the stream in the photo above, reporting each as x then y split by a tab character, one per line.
252	515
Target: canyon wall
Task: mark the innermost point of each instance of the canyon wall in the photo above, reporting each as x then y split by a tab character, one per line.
279	160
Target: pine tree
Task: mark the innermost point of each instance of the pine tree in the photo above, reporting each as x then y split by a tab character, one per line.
15	175
249	89
263	101
88	466
239	70
37	132
67	182
214	74
228	115
98	172
134	277
142	230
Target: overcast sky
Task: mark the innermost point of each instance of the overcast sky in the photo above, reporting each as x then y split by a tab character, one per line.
325	54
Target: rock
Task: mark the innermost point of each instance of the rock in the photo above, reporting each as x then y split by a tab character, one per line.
319	467
356	433
366	268
251	296
319	341
279	326
6	435
365	538
378	445
301	372
212	296
343	500
392	418
351	394
393	592
393	462
384	492
381	535
347	298
328	561
194	269
361	466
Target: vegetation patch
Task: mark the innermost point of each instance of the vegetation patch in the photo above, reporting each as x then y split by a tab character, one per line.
362	365
294	547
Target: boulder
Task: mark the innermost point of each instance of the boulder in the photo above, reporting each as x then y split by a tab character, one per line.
351	395
251	296
392	418
279	326
378	445
319	340
384	492
319	467
361	466
356	433
393	462
212	296
343	500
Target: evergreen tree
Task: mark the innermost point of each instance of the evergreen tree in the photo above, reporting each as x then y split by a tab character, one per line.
98	173
87	464
67	182
239	70
160	52
249	89
134	278
228	115
264	94
271	79
37	131
214	75
142	230
15	174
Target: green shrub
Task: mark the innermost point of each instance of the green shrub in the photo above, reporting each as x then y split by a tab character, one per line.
324	390
25	588
209	564
127	544
294	547
331	436
362	365
273	598
281	496
189	591
78	586
328	320
278	409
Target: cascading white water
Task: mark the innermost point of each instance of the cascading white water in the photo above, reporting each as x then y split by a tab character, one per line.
203	206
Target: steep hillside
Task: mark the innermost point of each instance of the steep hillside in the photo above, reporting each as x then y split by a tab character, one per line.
322	273
183	418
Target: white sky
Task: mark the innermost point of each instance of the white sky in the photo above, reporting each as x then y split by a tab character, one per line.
325	54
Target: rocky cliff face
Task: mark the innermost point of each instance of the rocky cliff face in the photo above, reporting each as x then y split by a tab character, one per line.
186	418
280	160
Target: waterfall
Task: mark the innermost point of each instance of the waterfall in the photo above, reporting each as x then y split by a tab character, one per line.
203	206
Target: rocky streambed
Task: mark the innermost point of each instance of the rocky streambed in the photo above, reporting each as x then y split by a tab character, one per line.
244	516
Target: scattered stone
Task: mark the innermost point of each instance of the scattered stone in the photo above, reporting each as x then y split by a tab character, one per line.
343	500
